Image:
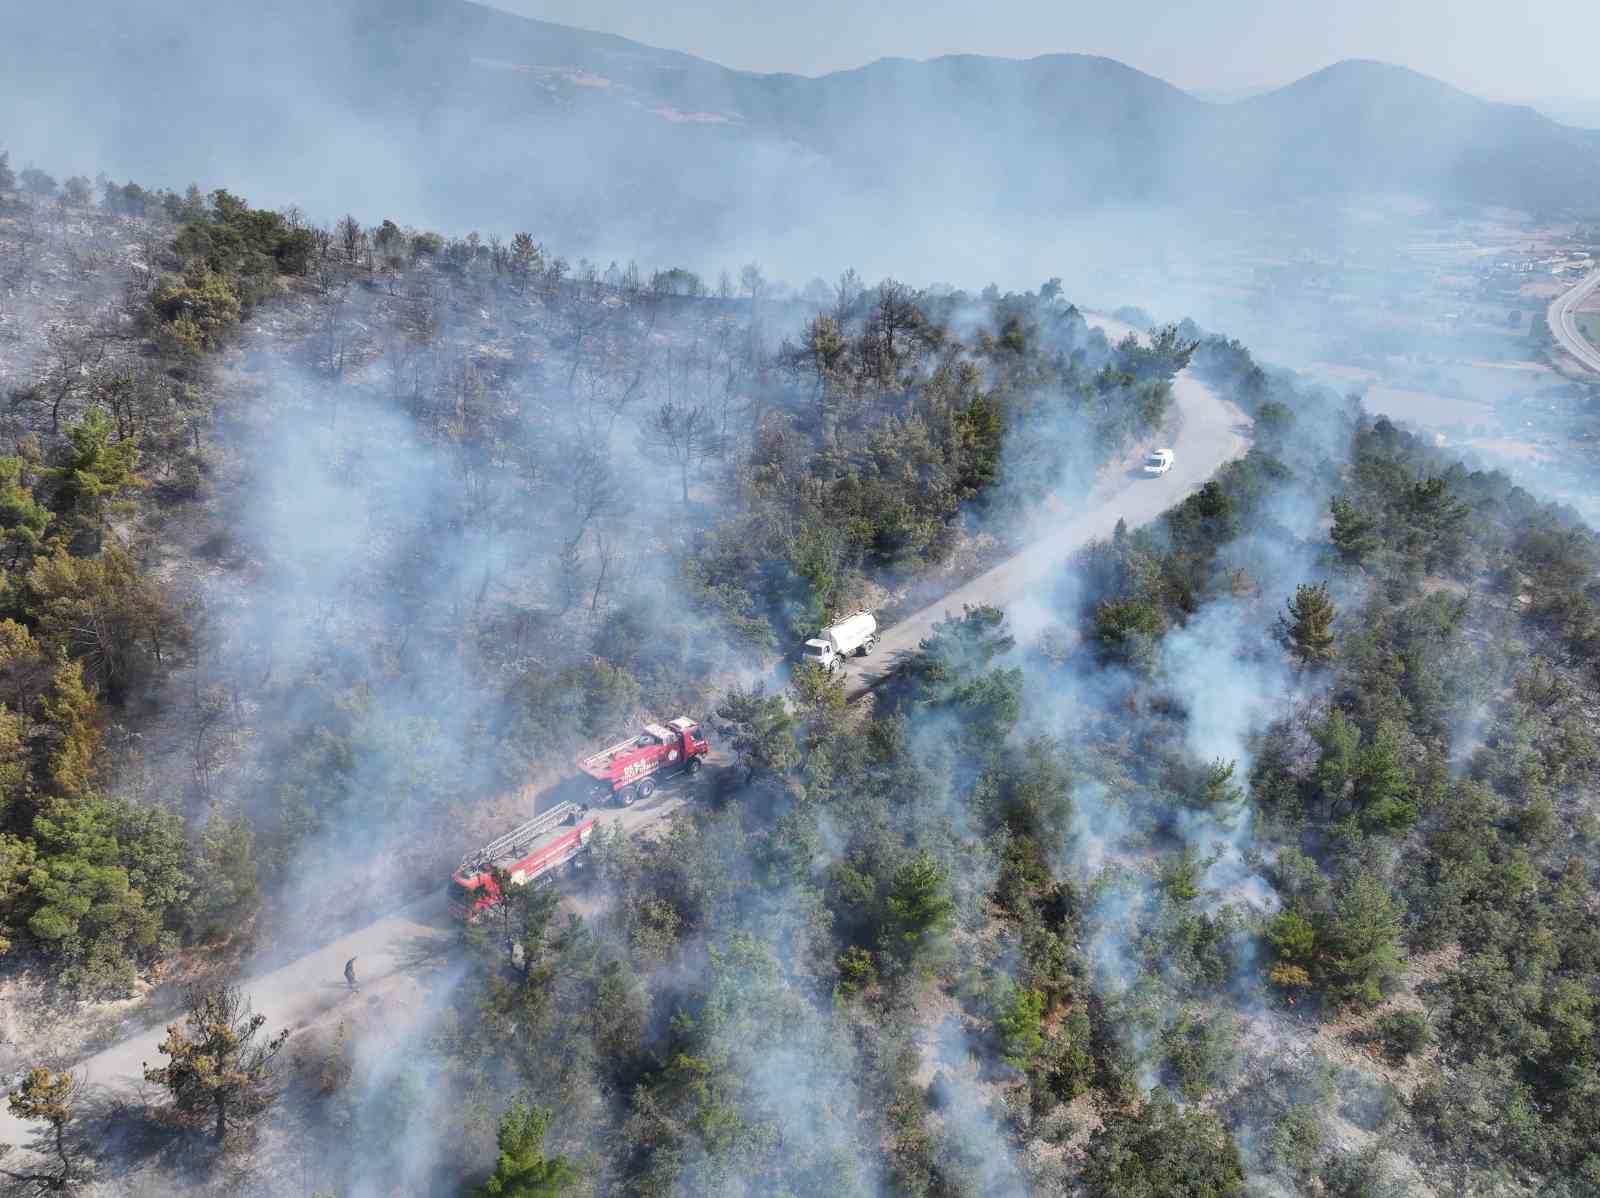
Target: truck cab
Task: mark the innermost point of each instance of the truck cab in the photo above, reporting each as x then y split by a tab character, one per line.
1158	462
820	653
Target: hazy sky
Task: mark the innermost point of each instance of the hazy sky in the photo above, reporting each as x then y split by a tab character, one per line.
1499	50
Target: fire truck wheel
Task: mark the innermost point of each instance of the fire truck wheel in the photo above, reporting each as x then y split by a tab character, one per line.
692	767
625	796
647	788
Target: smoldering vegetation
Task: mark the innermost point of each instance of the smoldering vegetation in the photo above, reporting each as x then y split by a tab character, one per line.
1229	881
383	525
490	504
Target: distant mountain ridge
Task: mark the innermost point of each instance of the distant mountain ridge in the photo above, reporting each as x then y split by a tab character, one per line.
453	112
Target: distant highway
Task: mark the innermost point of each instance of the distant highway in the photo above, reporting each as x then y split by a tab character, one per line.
1563	317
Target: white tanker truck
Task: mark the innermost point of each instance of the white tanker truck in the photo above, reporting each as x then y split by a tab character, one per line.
857	634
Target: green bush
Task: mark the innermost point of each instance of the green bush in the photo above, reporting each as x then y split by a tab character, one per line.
1163	1150
239	242
1296	1142
198	310
857	972
1018	1014
1129	630
1198	1053
1401	1034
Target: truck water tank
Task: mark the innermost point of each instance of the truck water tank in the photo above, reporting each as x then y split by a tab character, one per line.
853	630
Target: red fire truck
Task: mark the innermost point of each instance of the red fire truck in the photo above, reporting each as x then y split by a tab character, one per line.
630	770
546	845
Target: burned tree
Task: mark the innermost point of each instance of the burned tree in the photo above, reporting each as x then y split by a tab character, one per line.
76	353
352	239
686	434
894	318
526	260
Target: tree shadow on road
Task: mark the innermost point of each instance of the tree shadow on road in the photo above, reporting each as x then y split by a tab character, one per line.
122	1129
425	954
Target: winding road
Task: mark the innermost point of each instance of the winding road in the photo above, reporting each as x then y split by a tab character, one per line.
1212	432
1563	317
392	951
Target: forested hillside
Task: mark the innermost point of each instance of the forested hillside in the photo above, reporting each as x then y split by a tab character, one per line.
1267	866
345	530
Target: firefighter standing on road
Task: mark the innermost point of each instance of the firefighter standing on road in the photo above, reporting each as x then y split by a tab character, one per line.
350	973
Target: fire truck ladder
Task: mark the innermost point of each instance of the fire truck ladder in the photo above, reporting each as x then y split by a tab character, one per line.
521	838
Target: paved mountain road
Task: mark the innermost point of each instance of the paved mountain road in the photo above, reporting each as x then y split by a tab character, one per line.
311	989
1563	313
391	950
1213	431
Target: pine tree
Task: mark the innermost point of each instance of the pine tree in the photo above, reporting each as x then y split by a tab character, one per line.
761	730
1294	941
217	1066
1163	1149
224	876
526	258
1221	794
95	475
16	867
920	907
45	1097
1308	627
1364	938
37	184
23	521
1340	741
1354	536
1019	1019
522	1169
1383	784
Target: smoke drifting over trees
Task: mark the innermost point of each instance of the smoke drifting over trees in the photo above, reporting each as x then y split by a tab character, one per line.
1255	856
455	116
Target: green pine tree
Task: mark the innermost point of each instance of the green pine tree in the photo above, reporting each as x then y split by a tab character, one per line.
46	1097
1363	935
920	907
1308	626
1383	783
1340	741
522	1170
1354	536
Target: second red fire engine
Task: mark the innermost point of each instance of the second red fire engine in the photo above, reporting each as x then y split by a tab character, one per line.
632	769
